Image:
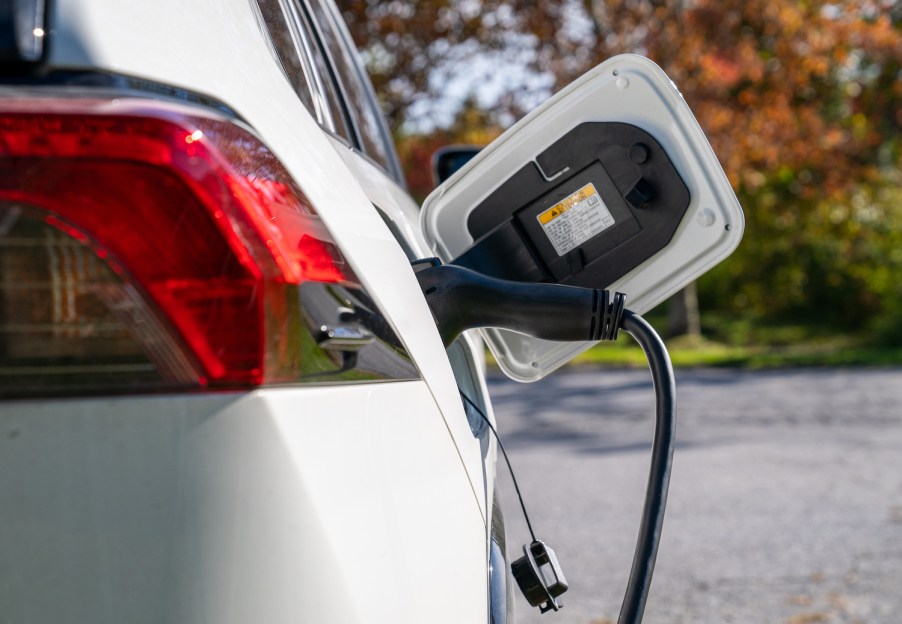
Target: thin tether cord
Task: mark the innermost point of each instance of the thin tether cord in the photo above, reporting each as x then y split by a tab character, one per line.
506	460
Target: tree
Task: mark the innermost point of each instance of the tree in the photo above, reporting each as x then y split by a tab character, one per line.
764	78
800	100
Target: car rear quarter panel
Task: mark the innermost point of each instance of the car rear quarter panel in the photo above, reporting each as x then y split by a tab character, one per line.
281	505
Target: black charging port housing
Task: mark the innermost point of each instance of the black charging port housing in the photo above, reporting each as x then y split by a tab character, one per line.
593	206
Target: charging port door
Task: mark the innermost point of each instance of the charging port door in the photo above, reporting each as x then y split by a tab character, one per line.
610	184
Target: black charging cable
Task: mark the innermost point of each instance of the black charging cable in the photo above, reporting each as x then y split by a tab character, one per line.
639	584
462	299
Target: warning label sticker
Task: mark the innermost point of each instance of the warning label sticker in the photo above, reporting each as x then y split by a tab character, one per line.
576	219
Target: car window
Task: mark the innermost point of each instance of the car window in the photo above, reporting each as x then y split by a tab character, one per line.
299	74
328	88
296	49
363	108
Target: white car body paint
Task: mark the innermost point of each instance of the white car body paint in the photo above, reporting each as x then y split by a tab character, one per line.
360	503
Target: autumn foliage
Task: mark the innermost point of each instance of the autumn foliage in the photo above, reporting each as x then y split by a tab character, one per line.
802	101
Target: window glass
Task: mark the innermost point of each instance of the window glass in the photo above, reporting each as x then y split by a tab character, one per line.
372	133
337	116
286	52
295	47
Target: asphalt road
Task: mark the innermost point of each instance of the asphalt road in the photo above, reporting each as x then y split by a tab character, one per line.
785	502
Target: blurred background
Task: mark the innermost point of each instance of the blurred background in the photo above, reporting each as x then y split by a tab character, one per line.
802	102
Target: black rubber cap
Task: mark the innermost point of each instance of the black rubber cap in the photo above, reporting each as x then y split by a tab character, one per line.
641	193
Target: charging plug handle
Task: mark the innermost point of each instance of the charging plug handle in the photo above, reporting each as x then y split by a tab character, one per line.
462	299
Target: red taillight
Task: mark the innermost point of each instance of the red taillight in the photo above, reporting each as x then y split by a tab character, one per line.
189	209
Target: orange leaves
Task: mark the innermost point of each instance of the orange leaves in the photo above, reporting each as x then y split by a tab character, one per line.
719	70
801	99
787	84
809	85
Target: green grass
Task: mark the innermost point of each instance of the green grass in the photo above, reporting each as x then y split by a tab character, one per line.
686	353
743	344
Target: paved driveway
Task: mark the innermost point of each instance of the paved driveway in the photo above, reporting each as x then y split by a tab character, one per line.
785	501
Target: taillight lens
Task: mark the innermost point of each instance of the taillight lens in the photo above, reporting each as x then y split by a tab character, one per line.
149	245
70	321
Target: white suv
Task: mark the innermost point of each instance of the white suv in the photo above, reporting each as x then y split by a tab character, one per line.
225	393
224	398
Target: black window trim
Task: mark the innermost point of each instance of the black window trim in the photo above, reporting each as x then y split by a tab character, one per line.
394	166
356	140
305	50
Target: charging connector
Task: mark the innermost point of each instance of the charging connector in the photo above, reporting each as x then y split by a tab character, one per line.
462	299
